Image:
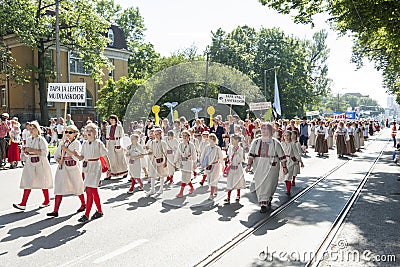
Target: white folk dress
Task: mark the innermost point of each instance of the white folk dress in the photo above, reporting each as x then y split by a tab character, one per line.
172	146
215	160
298	151
68	179
235	179
91	166
37	173
291	160
116	156
267	154
159	152
186	155
313	137
134	163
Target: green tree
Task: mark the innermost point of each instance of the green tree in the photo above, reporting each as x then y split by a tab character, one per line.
373	26
82	30
302	76
114	96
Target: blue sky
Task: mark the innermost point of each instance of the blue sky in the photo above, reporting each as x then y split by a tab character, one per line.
178	24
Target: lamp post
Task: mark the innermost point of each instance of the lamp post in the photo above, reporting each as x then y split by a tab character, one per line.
206	86
265	79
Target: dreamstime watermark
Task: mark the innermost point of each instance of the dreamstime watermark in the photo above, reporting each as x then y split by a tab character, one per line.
339	253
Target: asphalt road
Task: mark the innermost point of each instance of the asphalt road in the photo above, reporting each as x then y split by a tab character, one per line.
164	231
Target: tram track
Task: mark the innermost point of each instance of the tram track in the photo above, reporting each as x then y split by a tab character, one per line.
214	256
319	253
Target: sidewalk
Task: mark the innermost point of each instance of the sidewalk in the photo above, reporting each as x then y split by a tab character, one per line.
370	234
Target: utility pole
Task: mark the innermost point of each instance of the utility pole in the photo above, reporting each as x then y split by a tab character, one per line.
58	77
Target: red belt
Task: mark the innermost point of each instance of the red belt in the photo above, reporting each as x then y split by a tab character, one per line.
93	159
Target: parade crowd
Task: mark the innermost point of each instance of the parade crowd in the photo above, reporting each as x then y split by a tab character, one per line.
272	152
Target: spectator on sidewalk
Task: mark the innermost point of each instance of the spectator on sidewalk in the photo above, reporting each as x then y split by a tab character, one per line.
394	133
5	127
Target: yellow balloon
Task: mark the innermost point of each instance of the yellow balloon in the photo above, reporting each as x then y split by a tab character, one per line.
211	110
155	109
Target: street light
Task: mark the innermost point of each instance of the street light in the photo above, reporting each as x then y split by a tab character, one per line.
265	79
206	87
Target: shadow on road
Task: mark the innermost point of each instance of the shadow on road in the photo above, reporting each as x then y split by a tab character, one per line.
16	216
54	240
34	228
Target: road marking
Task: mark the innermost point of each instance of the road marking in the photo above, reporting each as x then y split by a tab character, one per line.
121	250
81	258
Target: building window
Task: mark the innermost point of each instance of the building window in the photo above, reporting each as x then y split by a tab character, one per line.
111	37
3	96
88	103
76	65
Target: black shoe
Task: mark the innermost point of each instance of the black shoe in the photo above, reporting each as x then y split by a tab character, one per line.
201	183
83	219
287	193
263	209
53	214
97	215
107	178
82	208
126	175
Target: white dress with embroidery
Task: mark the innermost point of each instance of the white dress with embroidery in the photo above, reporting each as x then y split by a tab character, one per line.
37	175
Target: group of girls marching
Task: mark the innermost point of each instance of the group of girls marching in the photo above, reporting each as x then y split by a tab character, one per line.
158	158
70	178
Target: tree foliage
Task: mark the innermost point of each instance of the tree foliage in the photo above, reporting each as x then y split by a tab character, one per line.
114	96
82	30
302	76
373	26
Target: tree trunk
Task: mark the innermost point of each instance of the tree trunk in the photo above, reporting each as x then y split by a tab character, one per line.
44	113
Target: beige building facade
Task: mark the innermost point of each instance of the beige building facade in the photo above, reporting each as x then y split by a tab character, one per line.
22	100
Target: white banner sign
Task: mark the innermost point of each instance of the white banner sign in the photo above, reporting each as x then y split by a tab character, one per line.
260	106
231	99
312	113
66	92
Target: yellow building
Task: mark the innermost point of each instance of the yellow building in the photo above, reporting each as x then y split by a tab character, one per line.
22	100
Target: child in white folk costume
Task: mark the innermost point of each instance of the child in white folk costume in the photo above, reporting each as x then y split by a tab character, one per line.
172	146
213	159
299	163
135	154
196	143
157	151
91	151
68	177
235	179
144	160
203	143
291	157
186	158
36	173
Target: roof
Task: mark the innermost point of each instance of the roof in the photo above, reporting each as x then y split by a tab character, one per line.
119	38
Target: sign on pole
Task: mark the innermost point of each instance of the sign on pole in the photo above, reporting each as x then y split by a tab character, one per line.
66	92
312	113
231	99
260	106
